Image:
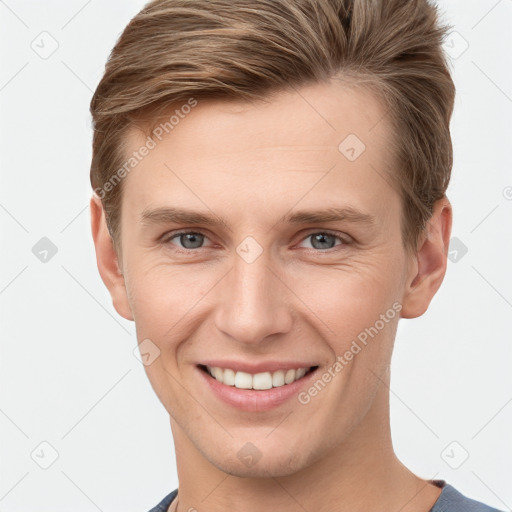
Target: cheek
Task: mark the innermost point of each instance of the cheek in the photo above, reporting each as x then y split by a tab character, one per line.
357	312
349	298
169	303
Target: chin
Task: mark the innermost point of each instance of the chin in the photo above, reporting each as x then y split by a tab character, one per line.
257	460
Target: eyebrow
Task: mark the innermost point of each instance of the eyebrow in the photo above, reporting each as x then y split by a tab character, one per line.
167	215
332	214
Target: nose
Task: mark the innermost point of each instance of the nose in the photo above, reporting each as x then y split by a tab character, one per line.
254	302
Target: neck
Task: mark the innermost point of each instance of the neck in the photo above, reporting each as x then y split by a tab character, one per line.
361	473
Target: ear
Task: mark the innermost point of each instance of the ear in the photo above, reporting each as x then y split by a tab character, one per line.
429	263
107	260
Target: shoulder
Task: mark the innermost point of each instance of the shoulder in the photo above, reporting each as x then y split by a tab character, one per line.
164	504
451	500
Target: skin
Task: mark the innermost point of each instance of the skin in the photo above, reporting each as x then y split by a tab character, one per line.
252	163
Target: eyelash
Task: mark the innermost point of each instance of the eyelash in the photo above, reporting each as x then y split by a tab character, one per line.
345	240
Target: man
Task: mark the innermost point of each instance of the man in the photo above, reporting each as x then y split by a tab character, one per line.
270	183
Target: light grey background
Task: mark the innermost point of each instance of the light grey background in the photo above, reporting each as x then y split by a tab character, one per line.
68	376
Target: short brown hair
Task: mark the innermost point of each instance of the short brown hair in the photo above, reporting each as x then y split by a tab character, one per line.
246	49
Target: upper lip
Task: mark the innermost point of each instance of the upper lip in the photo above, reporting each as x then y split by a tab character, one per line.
261	367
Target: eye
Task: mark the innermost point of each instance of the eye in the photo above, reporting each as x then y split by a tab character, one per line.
191	240
187	239
325	240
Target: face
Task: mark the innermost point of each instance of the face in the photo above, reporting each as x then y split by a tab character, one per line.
258	239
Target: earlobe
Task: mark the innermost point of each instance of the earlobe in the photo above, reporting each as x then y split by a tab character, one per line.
107	260
430	262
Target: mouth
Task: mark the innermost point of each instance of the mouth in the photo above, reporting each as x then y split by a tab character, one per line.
262	381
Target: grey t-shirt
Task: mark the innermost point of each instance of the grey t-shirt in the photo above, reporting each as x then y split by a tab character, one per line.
450	500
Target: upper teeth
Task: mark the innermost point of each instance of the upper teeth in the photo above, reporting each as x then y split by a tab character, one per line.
264	380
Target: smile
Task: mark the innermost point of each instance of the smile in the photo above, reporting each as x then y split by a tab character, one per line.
257	381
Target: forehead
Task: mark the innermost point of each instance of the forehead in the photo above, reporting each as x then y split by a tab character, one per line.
285	143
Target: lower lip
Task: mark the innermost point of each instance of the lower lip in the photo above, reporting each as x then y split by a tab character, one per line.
255	400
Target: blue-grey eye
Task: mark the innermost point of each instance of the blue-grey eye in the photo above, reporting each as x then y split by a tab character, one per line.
191	240
322	241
